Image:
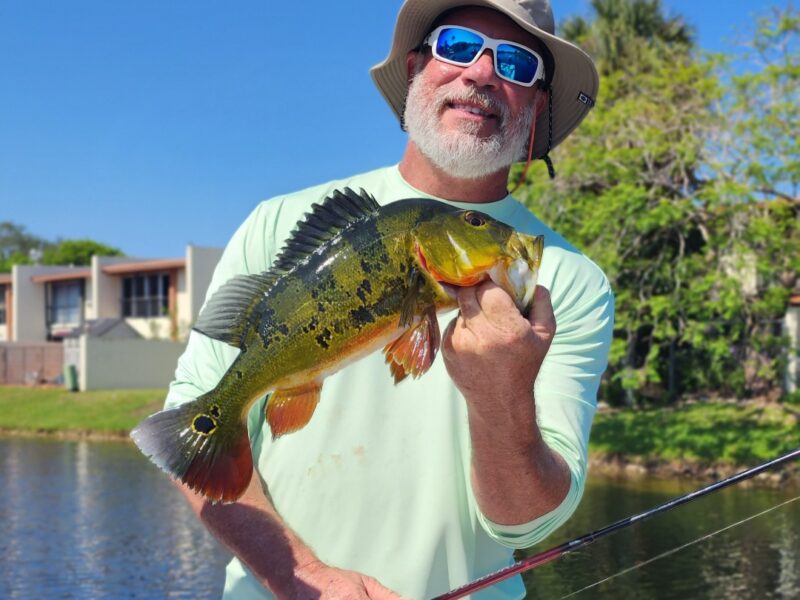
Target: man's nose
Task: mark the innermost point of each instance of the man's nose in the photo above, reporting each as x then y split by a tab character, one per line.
481	72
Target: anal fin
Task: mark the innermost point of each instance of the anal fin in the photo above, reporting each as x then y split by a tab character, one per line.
414	351
291	409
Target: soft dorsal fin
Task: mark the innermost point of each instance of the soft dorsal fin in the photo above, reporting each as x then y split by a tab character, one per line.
227	314
339	210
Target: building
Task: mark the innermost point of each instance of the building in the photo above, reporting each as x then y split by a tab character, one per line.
131	307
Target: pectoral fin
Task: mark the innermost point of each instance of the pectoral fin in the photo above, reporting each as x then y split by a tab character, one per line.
413	352
290	409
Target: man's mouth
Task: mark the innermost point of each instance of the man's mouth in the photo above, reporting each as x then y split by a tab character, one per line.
473	109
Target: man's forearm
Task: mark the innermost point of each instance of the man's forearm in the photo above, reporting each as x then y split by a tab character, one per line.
516	477
256	534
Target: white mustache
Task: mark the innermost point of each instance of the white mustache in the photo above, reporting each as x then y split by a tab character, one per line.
443	97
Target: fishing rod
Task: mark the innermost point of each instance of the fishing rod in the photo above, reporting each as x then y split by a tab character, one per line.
549	555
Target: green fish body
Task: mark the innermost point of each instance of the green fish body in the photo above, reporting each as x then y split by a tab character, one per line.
354	277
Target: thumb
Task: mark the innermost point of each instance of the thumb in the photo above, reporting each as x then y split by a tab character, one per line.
542	318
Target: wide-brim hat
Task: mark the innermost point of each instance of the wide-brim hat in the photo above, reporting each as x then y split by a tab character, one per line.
573	86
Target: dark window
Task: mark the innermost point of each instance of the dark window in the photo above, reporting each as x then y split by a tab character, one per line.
2	304
65	301
145	295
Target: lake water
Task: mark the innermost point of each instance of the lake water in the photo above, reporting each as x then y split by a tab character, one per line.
92	520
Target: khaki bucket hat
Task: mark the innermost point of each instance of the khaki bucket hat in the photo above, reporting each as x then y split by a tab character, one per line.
573	85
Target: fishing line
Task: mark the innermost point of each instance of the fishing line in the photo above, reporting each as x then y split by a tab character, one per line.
679	548
542	558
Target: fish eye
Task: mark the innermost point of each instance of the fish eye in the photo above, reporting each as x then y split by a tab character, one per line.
474	219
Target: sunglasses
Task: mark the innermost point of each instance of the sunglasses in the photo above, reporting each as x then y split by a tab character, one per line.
462	46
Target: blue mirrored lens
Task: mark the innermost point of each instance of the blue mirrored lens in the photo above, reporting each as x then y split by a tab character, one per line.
516	63
458	45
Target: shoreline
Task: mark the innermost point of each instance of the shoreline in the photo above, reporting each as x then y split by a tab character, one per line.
614	466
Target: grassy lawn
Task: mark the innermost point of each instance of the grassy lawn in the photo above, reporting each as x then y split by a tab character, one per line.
54	409
703	432
708	432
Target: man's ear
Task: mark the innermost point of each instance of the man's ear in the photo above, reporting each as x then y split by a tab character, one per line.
541	100
411	63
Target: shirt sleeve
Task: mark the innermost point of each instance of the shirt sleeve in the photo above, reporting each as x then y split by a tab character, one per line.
566	399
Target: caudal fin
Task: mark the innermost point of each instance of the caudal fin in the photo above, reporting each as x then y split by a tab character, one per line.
198	445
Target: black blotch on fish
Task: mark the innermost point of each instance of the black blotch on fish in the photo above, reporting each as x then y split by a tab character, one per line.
214	410
324	337
365	266
361	316
204	424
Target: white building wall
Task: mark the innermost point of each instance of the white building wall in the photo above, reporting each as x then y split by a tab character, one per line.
29	302
155	328
4	332
791	325
127	363
200	264
106	298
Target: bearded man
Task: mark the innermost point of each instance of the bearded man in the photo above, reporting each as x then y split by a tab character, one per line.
416	489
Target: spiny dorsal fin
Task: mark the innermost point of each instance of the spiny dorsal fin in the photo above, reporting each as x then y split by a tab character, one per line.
227	314
339	210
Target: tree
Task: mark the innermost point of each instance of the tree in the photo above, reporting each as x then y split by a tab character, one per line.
77	252
622	29
16	245
682	234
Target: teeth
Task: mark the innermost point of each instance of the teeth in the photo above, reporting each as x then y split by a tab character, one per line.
471	109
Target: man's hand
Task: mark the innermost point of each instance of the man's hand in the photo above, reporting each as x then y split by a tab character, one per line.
493	355
318	581
491	351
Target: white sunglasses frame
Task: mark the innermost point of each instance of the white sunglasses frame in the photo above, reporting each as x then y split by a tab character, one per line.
489	43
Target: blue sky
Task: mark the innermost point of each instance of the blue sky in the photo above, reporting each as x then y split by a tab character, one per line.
151	125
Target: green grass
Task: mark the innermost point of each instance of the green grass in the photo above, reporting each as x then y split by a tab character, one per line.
54	409
708	432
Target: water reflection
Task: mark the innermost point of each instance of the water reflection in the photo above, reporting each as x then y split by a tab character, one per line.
757	559
95	520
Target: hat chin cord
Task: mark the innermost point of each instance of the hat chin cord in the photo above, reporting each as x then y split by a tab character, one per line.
551	171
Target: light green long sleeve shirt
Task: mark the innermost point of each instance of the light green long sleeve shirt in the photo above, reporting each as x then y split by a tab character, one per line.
379	480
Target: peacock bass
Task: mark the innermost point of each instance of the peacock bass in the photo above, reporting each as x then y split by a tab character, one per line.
353	277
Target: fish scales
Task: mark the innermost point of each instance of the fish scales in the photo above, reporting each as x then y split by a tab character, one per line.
353	278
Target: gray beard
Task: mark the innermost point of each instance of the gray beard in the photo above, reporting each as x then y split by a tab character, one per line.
464	154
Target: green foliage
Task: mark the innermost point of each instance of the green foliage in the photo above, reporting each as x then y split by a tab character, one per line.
17	246
704	432
77	252
682	185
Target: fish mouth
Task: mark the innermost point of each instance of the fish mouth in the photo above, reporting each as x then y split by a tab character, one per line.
449	284
519	274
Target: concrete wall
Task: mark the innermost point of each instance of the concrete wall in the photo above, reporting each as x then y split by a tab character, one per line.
791	325
121	363
200	265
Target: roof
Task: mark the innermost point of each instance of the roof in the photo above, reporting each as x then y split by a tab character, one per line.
111	327
145	265
62	276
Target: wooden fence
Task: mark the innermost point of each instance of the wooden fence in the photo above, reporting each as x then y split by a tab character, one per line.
30	363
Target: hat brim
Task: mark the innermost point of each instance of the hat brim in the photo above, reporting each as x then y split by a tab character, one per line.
573	87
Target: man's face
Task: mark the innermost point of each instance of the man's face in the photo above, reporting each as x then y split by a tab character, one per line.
467	120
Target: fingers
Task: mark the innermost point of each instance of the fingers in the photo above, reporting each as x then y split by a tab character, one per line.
542	318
